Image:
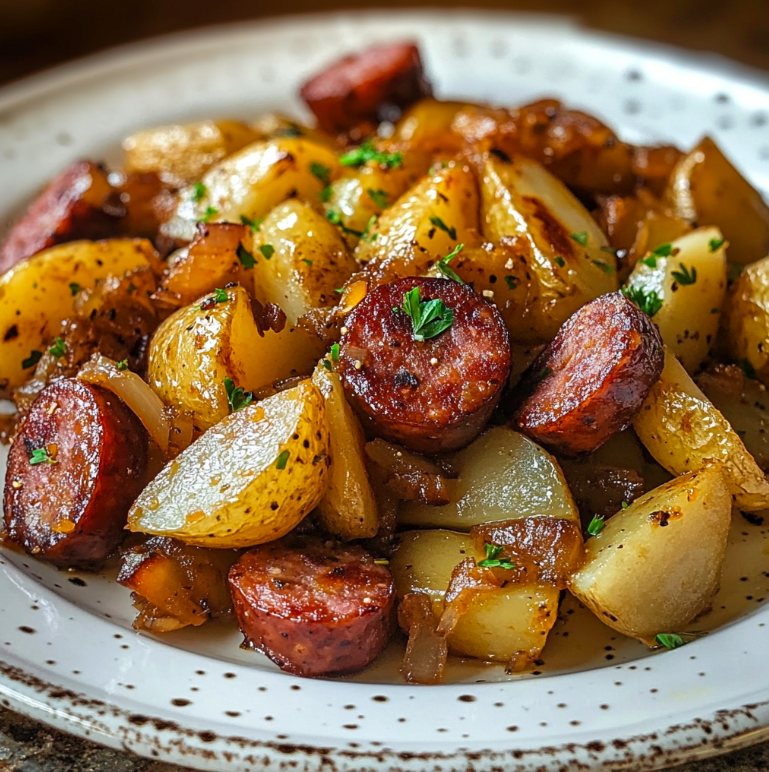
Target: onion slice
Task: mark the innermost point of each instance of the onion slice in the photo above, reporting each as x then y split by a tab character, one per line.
426	651
467	582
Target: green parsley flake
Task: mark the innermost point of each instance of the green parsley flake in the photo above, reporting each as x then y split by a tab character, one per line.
367	152
651	261
59	348
494	558
323	173
41	456
211	211
429	318
326	364
663	250
669	640
604	266
542	374
326	193
236	397
647	300
122	365
199	192
74	288
132	288
444	268
511	283
245	257
335	352
596	525
309	262
685	276
282	460
560	262
254	225
267	251
220	295
336	219
379	197
580	238
625	505
32	359
733	271
369	225
715	244
748	369
438	223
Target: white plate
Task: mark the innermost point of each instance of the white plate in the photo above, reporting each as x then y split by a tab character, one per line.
68	655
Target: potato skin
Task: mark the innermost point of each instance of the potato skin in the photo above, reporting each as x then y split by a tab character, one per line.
587	384
72	512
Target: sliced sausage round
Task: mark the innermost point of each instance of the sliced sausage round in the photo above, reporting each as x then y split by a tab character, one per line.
591	379
313	609
75	467
71	207
430	395
362	89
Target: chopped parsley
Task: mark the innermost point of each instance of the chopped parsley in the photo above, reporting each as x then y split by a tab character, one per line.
580	238
336	219
438	223
733	271
647	300
41	456
494	558
604	266
306	260
245	257
59	348
267	251
379	197
199	192
625	505
325	194
748	369
291	131
322	172
74	288
32	359
282	460
369	225
211	211
596	525
663	250
367	152
429	318
651	261
685	276
560	262
132	288
511	283
676	640
542	374
715	244
335	352
326	364
444	268
220	295
122	365
236	397
254	225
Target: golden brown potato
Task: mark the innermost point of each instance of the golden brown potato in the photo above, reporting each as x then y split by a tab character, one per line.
507	624
706	189
279	126
682	429
427	126
657	564
181	153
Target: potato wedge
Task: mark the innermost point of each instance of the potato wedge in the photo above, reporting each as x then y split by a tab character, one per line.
196	348
181	153
485	491
301	259
252	182
426	126
682	429
747	318
562	244
279	126
656	565
705	188
349	508
507	624
691	284
265	469
423	225
36	295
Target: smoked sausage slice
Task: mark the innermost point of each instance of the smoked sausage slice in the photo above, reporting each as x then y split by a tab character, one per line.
360	90
74	469
77	204
313	609
587	384
432	395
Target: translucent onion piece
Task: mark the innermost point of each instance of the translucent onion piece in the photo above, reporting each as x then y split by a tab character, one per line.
426	651
467	581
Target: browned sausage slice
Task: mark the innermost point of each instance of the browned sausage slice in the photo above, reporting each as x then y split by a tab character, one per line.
587	384
313	609
432	395
75	467
359	90
71	207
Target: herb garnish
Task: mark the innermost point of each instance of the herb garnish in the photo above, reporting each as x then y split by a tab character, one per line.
647	300
748	369
663	250
254	225
438	223
306	260
367	152
336	219
733	271
74	288
41	456
580	238
369	225
282	460
429	318
326	193
685	276
199	192
59	348
542	374
511	283
122	364
267	251
211	211
236	398
676	640
245	257
625	505
379	197
444	268
220	295
596	525
32	359
322	172
604	266
716	244
326	364
335	352
560	262
494	558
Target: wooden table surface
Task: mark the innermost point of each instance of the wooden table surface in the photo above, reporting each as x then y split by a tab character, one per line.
35	34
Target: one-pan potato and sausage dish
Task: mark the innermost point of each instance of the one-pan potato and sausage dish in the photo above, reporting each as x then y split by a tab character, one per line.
422	365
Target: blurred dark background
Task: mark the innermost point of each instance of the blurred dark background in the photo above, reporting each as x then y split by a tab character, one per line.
35	34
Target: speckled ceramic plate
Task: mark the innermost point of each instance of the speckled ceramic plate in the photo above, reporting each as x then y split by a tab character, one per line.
68	654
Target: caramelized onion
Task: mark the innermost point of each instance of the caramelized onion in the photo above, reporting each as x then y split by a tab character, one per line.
467	582
426	651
